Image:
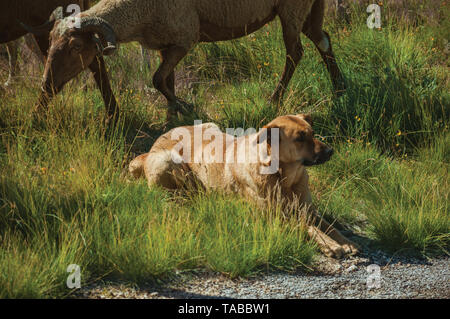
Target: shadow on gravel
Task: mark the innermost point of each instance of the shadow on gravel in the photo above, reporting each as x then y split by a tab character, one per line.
123	290
373	252
181	294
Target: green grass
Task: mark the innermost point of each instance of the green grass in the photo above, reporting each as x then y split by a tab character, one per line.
65	197
402	204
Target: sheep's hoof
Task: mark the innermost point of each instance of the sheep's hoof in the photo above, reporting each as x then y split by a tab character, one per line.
181	107
340	93
110	121
340	88
171	115
8	85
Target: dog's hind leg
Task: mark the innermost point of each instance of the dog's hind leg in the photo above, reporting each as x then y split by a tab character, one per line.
136	167
161	169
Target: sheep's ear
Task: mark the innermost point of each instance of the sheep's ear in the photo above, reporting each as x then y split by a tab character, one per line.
306	117
102	49
103	30
57	14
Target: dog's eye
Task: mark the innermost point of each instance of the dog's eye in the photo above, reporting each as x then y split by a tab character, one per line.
300	138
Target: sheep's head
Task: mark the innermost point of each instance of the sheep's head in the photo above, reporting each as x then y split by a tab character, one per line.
73	48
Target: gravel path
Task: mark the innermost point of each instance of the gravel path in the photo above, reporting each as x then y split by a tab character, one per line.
400	278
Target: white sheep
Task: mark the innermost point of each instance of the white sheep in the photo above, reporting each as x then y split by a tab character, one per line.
173	27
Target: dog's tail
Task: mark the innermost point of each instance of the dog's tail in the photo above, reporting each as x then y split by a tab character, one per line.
136	167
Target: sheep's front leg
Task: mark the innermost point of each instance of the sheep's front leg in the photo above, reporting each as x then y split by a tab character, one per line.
44	97
164	78
171	81
100	73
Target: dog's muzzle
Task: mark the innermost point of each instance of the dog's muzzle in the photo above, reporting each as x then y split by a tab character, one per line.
322	158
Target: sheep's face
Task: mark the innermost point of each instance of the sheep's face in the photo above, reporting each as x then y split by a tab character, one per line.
70	53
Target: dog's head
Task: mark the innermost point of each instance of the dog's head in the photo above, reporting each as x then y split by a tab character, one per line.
296	140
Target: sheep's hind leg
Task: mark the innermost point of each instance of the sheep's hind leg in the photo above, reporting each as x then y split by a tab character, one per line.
145	59
164	78
322	42
12	49
313	29
294	53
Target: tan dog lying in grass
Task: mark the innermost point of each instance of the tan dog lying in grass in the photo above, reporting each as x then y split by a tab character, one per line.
216	160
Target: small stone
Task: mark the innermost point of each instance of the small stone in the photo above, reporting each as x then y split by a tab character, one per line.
352	268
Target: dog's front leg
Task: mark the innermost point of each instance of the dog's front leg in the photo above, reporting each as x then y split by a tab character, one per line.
327	245
319	229
260	202
347	245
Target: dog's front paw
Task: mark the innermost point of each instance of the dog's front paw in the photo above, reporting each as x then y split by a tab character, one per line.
333	251
340	251
351	248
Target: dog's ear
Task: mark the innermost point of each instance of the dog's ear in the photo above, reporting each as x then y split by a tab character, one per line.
306	117
265	151
265	135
